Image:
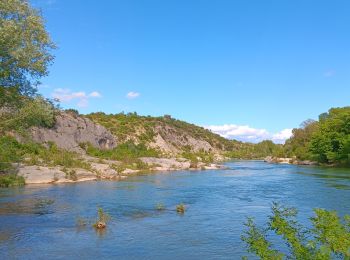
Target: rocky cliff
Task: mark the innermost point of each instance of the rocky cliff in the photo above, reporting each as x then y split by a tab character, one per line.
165	134
70	130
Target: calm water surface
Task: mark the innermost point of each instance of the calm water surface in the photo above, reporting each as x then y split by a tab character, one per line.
39	222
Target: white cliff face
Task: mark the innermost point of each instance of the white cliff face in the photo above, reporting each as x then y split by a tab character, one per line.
71	130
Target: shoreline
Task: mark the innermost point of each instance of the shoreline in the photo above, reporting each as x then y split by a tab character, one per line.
106	170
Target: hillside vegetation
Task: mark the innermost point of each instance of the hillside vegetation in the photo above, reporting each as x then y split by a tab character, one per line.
163	133
170	136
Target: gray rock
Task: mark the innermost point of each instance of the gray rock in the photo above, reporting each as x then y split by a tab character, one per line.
70	130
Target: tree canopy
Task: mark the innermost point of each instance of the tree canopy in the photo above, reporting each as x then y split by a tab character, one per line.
326	140
25	49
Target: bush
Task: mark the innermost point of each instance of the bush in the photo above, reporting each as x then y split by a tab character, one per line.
34	112
11	151
180	208
11	180
102	219
329	236
127	152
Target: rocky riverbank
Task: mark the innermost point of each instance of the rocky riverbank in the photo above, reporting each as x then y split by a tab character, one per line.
105	170
293	160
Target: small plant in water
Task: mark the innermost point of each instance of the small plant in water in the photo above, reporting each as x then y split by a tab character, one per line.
102	219
160	206
181	208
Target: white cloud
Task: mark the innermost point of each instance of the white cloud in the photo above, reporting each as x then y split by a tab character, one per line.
132	95
249	134
66	96
95	94
282	136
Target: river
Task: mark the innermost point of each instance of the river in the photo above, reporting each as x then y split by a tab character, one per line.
39	221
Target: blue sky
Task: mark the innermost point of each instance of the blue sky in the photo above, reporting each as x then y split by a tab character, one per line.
249	69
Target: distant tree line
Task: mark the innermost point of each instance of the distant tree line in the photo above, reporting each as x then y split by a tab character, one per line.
326	140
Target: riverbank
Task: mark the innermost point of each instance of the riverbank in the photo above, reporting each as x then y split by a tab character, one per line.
282	160
106	170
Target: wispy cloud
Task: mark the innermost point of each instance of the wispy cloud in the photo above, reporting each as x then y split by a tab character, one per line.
132	95
81	98
249	134
329	73
95	94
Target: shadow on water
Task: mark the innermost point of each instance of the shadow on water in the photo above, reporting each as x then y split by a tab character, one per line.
334	177
36	206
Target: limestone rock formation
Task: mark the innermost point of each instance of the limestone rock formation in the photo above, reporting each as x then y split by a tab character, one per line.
70	130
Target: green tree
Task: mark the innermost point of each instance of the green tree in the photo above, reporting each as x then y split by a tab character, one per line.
25	49
328	237
299	144
33	112
331	143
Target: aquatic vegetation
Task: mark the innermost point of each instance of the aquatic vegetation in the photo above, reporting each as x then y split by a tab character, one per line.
11	180
102	219
160	206
329	236
181	208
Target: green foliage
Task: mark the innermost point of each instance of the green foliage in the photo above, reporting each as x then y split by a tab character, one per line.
256	151
143	129
299	144
331	144
102	219
126	152
200	156
11	151
33	112
11	180
24	50
257	243
53	156
329	236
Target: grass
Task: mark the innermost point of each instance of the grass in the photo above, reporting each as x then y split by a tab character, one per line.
11	151
181	208
11	180
126	152
102	219
201	156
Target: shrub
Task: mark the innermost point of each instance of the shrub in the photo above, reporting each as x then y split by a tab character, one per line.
11	180
181	208
127	152
102	219
329	236
11	151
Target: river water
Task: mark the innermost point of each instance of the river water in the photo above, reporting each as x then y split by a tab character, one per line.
40	222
